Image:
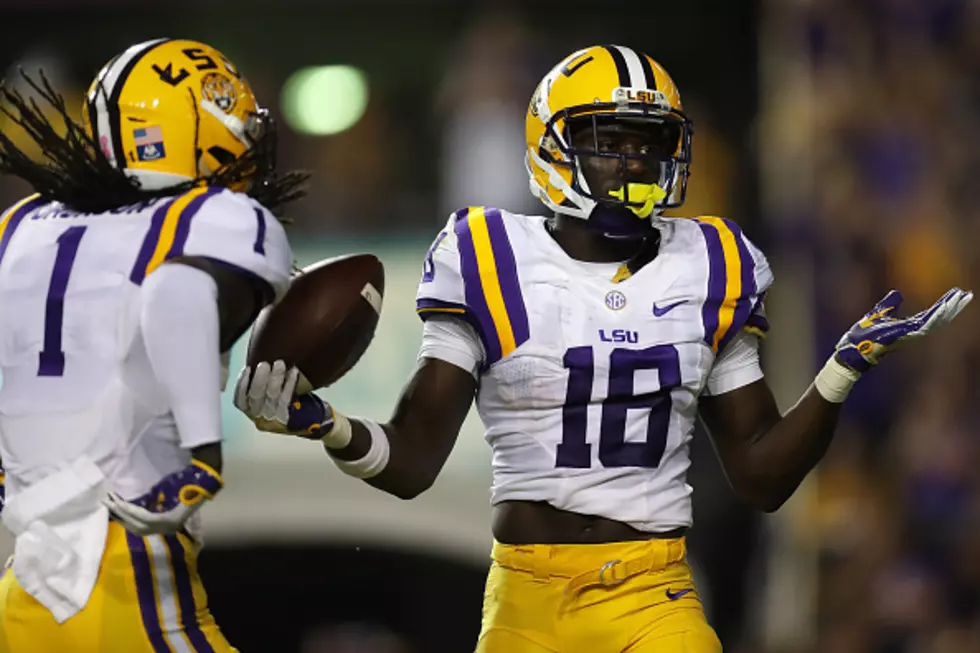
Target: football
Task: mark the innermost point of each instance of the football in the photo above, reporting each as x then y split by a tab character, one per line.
325	321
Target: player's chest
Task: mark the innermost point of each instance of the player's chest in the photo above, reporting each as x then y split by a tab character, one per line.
659	306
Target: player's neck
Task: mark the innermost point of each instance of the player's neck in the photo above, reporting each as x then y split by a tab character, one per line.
583	244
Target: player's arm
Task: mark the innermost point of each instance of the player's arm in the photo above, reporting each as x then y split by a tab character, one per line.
402	456
188	308
420	434
193	307
767	455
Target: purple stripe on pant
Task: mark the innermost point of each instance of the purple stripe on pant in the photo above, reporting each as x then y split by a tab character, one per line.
144	591
185	597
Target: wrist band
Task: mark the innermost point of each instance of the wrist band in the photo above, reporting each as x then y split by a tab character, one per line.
339	436
375	460
835	381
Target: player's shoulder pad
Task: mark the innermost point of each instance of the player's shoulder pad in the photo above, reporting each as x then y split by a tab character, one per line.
738	278
470	272
224	226
12	216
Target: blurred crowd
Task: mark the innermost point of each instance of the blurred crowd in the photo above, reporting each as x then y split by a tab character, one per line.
895	203
893	117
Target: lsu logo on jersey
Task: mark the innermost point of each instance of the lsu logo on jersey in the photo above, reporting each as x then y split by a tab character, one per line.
619	335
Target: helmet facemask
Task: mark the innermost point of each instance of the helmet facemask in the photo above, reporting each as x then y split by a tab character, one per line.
627	207
625	187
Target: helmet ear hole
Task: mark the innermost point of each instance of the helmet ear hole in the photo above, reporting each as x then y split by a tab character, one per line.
221	155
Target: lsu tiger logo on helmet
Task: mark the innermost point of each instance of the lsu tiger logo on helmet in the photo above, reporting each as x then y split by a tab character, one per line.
168	111
609	83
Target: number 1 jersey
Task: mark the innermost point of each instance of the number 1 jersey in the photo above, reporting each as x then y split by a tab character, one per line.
589	385
76	377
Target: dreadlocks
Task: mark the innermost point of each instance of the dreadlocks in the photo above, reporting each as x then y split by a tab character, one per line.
75	171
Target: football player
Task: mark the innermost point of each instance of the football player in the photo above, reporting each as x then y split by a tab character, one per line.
592	340
143	255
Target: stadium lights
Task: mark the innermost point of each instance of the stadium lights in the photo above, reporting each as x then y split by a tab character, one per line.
324	100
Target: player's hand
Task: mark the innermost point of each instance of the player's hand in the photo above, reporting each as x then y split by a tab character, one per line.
3	489
879	332
265	395
168	504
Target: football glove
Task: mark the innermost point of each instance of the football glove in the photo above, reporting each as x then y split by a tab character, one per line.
3	489
168	504
266	397
879	332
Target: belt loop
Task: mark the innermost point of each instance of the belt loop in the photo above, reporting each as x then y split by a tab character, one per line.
541	562
661	556
679	550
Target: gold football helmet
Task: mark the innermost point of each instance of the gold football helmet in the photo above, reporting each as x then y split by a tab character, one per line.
168	111
600	84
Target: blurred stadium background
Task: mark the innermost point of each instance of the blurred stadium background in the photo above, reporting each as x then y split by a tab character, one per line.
841	134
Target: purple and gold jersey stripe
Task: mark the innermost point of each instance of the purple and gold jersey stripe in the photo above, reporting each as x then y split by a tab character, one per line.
731	281
169	228
13	217
491	284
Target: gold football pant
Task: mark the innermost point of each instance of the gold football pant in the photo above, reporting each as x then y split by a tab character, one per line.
148	599
624	597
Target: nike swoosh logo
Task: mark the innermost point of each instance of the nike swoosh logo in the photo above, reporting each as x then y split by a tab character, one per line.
663	310
673	596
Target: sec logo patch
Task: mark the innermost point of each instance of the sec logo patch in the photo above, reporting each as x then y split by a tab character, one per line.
615	300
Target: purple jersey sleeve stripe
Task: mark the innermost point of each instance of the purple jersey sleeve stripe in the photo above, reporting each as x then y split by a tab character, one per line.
185	596
715	296
149	243
510	283
13	218
745	301
429	305
476	300
428	308
757	318
144	593
184	221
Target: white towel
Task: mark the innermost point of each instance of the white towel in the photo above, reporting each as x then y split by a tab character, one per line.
60	526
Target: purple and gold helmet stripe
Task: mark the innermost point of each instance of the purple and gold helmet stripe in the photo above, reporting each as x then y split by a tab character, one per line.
169	228
13	217
185	596
139	556
731	281
491	283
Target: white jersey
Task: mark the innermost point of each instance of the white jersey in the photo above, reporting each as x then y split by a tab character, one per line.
589	385
76	377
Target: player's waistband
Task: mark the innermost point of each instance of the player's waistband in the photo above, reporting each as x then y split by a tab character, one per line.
591	564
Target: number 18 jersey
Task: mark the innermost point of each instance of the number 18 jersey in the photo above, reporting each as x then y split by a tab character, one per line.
589	385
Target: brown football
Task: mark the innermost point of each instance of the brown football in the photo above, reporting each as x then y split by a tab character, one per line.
325	321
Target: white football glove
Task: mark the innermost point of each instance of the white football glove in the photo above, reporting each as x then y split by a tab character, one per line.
266	396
